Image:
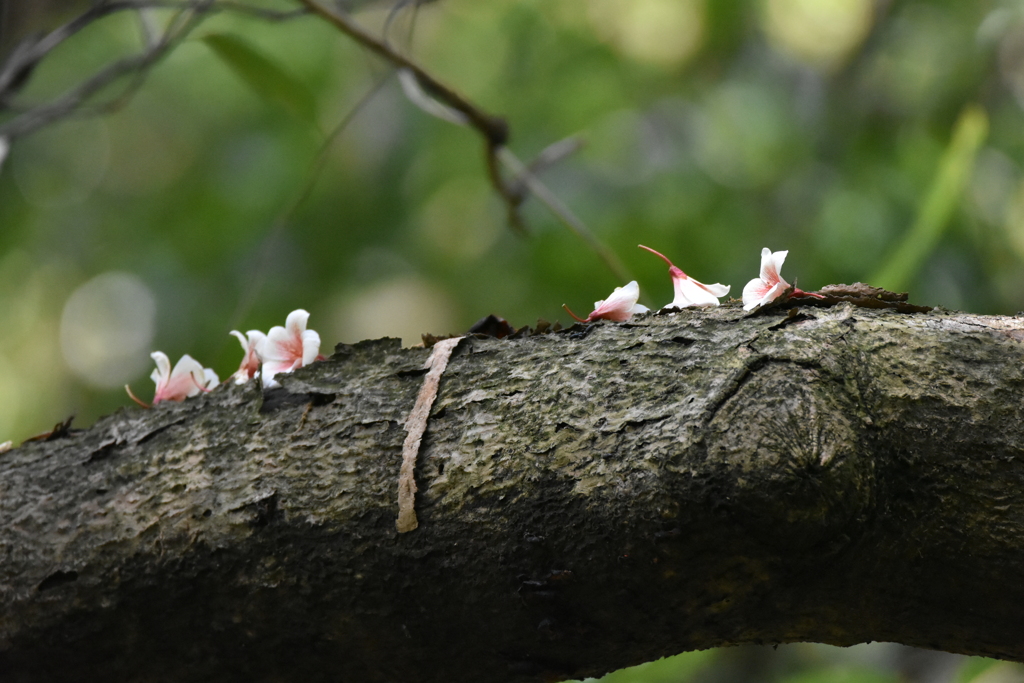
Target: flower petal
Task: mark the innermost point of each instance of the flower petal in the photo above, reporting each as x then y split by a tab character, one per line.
310	347
690	292
281	345
250	365
271	368
163	368
241	340
188	378
717	289
771	265
288	348
758	292
296	321
619	304
753	292
190	373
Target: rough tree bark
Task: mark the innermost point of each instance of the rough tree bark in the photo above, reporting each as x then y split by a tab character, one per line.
588	500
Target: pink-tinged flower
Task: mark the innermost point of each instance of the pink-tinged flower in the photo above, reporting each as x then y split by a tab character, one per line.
251	343
289	347
188	378
619	306
770	285
688	291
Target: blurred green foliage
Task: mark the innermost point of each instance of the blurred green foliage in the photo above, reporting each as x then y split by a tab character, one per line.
712	129
814	663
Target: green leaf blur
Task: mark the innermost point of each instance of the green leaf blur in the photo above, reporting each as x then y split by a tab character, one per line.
226	191
267	79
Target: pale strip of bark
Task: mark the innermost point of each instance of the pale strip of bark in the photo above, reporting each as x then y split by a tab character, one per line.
415	426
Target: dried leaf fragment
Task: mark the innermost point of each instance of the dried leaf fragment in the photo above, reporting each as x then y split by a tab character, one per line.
866	296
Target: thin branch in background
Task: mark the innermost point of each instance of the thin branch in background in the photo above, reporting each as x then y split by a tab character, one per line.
493	128
30	51
436	99
441	101
420	87
19	65
259	12
70	102
148	27
215	7
548	157
181	25
555	153
939	203
393	14
523	174
252	292
415	94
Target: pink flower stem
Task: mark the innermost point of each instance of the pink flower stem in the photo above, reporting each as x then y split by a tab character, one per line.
574	316
671	266
136	398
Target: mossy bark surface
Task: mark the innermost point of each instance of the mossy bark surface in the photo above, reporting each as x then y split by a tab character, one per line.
587	500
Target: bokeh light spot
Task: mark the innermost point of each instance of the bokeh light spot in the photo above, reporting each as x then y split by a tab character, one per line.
460	221
403	307
661	32
821	33
106	329
740	135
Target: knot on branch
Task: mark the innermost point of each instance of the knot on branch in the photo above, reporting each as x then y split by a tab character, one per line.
793	467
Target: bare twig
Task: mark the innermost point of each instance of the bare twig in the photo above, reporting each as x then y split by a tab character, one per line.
31	51
395	10
259	12
421	88
435	98
416	95
20	64
445	103
69	103
148	28
493	128
524	175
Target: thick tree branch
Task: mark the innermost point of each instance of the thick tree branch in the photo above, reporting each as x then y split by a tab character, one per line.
587	500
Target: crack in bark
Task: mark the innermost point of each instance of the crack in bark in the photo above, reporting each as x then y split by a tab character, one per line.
755	363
